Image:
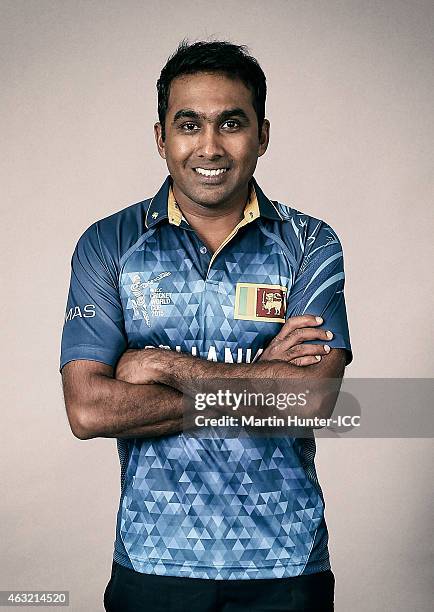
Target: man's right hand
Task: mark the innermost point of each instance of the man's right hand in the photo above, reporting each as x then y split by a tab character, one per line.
288	344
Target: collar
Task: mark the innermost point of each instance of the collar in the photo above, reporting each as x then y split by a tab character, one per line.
164	207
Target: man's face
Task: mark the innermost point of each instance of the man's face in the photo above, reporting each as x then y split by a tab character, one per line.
211	125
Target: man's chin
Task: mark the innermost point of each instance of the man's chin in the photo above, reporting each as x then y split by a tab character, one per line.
211	200
209	196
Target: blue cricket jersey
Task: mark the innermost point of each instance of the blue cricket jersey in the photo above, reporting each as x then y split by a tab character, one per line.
218	508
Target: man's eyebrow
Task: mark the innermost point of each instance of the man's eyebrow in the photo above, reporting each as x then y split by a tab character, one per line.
188	113
233	112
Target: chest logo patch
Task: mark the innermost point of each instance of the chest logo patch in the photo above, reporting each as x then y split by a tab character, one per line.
260	302
149	298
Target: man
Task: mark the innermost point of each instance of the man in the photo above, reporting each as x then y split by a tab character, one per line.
237	286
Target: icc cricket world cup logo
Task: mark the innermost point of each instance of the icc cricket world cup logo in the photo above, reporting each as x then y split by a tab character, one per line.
140	303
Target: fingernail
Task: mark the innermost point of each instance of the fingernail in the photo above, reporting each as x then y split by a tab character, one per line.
318	357
329	335
326	348
318	319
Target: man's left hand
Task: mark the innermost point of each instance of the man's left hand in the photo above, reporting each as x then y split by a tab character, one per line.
137	366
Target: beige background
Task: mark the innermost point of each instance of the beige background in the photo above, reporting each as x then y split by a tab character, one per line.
350	97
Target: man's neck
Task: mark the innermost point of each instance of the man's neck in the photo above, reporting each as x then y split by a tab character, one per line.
212	224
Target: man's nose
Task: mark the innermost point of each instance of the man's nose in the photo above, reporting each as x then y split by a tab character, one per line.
210	144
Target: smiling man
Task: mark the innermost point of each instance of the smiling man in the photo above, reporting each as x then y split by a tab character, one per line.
238	287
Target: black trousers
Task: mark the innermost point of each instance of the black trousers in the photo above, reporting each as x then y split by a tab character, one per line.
130	591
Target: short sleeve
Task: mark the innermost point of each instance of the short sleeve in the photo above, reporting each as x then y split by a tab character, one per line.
94	323
318	287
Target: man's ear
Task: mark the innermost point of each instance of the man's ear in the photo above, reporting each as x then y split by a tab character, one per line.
158	132
264	138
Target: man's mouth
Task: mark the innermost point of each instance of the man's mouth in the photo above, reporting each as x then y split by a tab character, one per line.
211	172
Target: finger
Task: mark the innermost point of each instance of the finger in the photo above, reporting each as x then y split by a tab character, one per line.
305	361
307	354
296	322
299	336
304	350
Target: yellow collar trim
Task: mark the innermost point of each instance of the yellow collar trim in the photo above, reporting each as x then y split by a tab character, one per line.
173	210
251	209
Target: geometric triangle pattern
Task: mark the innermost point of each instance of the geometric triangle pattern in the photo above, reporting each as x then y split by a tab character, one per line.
220	508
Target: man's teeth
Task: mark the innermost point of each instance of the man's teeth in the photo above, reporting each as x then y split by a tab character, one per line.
210	172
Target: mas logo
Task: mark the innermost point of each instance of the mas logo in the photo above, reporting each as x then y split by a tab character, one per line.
260	302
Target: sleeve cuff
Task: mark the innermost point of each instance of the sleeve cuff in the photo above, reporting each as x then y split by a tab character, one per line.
92	353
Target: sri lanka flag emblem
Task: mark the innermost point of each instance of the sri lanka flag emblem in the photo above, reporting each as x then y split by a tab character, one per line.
260	302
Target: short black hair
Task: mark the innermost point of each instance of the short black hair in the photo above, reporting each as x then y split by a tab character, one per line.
213	56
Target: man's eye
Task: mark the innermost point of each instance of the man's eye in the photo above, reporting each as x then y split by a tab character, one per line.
231	124
188	127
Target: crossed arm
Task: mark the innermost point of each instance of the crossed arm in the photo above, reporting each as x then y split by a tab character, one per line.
143	397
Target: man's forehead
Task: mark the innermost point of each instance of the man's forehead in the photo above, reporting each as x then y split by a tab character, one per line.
209	94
